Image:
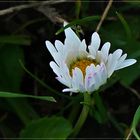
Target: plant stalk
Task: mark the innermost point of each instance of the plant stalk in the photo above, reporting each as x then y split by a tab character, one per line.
83	115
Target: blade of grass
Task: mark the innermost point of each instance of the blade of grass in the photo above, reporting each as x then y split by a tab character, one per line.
18	95
125	25
79	22
135	122
21	108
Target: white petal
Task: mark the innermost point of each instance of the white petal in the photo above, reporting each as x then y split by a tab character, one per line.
63	81
75	81
79	75
83	45
99	56
59	46
54	52
105	51
92	52
117	54
95	44
109	62
70	90
50	47
95	41
126	63
71	38
101	76
58	58
89	77
65	74
112	61
78	79
121	60
98	78
55	68
111	65
103	73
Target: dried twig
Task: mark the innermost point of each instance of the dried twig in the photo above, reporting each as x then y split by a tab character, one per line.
129	135
25	6
104	14
51	13
133	91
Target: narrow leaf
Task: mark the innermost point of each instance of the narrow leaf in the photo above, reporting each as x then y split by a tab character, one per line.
125	25
135	122
78	21
16	95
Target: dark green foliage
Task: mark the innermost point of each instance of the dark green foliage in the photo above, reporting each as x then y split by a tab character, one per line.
24	68
53	128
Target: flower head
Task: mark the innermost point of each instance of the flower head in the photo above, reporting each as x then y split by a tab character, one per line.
84	68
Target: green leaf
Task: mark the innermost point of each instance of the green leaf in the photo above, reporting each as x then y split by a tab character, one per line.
135	123
125	25
10	80
79	22
10	70
15	39
16	95
53	128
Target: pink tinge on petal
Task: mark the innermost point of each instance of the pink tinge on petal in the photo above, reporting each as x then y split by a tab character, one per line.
89	77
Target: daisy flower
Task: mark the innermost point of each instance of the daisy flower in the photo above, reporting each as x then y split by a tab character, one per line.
83	68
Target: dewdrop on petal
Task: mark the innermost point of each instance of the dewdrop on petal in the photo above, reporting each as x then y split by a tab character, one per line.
83	68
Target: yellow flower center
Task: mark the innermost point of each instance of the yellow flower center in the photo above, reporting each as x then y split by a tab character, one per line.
82	64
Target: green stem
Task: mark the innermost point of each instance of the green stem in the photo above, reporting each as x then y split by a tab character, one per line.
83	115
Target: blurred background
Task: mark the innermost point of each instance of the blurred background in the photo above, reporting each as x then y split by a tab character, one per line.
24	63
